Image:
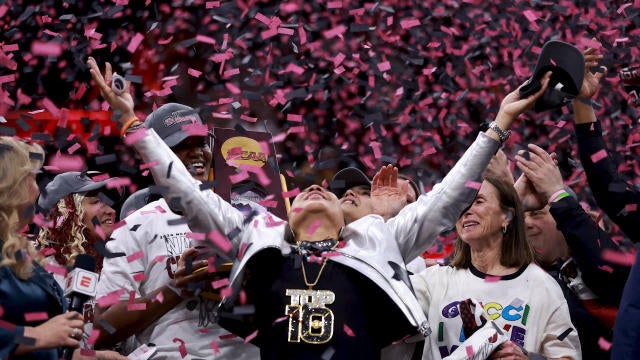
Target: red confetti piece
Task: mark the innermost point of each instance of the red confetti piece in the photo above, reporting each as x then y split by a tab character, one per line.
182	348
631	207
228	336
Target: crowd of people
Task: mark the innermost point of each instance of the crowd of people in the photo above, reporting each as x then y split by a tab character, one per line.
534	272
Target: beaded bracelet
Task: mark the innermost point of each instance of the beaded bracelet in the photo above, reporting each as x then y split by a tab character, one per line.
127	124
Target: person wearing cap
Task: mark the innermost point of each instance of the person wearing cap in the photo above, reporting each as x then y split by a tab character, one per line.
156	231
79	215
568	245
26	288
314	281
353	188
615	197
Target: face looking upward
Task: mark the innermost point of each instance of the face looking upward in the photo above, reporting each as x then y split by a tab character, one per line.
356	203
195	154
315	200
484	220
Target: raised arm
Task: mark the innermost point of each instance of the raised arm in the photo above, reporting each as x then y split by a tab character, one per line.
418	225
206	211
586	240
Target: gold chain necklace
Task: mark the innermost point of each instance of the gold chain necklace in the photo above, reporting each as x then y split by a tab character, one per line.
310	320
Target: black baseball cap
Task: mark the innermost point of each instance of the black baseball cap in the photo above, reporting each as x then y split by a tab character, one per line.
566	64
72	182
347	178
167	121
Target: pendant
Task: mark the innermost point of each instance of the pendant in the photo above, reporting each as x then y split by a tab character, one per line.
309	319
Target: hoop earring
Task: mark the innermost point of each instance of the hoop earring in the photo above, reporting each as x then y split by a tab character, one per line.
504	229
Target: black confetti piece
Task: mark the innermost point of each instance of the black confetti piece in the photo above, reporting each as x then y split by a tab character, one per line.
564	334
180	221
169	170
135	227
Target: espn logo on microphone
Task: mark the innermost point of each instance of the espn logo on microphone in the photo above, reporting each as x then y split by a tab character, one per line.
81	281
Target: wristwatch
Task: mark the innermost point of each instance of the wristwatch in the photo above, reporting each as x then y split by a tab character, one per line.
502	135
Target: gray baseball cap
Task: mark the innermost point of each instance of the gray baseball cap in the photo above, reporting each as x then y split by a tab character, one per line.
72	182
167	121
347	178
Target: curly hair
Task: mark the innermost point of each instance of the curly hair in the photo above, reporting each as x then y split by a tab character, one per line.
68	235
17	161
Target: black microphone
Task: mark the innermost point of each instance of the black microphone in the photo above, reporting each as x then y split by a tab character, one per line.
81	285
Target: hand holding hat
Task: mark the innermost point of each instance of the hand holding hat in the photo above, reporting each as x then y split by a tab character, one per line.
567	65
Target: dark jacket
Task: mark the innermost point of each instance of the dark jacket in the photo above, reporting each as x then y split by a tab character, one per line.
606	280
613	195
39	293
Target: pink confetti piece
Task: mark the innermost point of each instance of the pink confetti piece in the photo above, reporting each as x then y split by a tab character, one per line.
226	292
220	241
135	256
294	117
314	226
212	4
139	277
384	66
280	319
217	284
137	307
470	351
195	235
604	344
194	72
135	42
148	165
41	48
36	316
409	23
598	155
135	136
88	353
489	278
214	346
473	185
56	269
110	299
631	207
243	175
334	5
159	258
251	336
248	118
118	182
285	31
159	297
95	333
616	257
348	330
7	79
205	39
291	193
530	15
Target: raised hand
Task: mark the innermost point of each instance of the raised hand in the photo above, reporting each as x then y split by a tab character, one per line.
512	105
387	194
591	80
198	272
61	330
541	170
499	167
122	102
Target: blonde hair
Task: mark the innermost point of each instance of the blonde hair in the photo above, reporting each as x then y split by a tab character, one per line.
17	161
67	234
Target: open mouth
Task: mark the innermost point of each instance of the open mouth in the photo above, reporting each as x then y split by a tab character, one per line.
196	168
